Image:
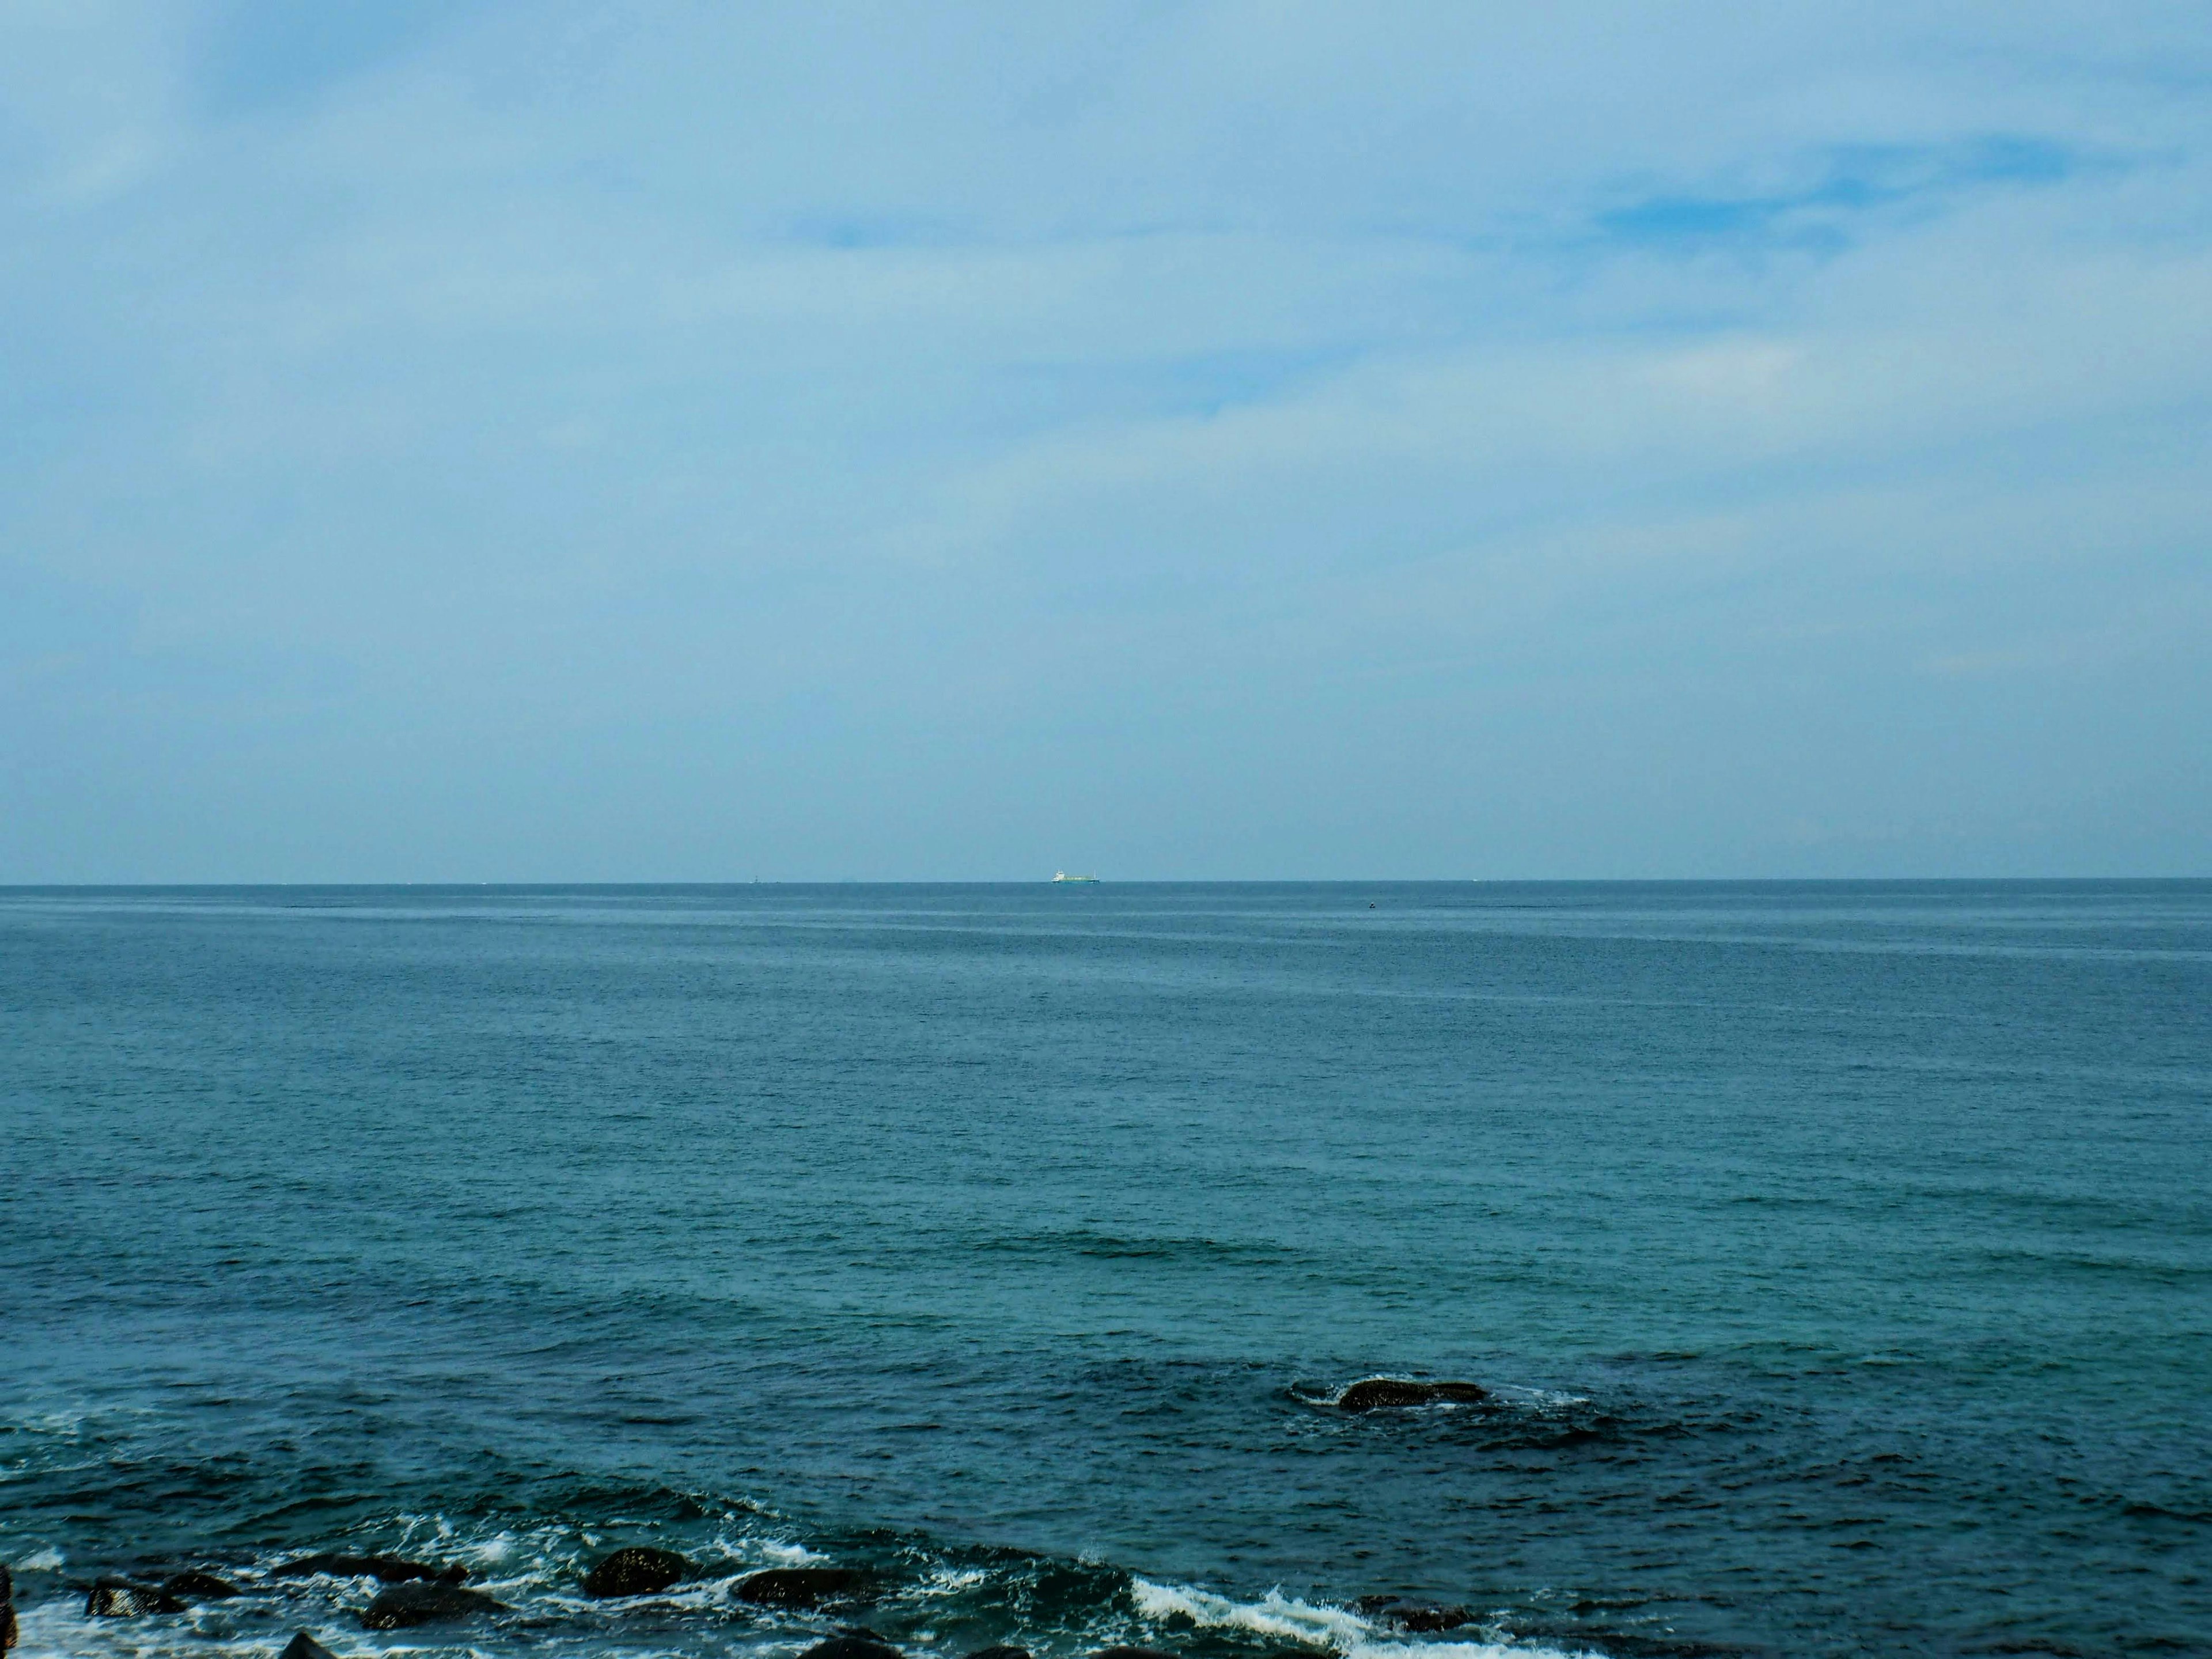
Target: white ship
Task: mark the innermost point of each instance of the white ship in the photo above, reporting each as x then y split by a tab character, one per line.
1062	875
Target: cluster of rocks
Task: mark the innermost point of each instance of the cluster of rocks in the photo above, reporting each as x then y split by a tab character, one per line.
417	1592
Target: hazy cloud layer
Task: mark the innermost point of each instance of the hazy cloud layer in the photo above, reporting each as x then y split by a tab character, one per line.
491	441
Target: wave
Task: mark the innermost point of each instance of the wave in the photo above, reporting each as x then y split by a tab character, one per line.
933	1601
1326	1629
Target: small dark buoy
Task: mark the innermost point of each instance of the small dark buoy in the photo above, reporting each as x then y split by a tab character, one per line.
1371	904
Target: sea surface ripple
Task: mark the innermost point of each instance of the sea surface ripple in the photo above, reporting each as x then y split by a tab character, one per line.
1838	1257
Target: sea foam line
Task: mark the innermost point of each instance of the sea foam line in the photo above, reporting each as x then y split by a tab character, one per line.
1273	1614
1277	1616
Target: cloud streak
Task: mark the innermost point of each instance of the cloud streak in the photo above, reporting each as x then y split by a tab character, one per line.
652	440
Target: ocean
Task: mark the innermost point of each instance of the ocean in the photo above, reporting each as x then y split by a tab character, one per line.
1837	1259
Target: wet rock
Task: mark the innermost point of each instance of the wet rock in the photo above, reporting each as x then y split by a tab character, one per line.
409	1604
1412	1616
7	1632
852	1645
1132	1653
637	1571
118	1598
798	1586
304	1646
388	1569
1001	1652
197	1586
1377	1392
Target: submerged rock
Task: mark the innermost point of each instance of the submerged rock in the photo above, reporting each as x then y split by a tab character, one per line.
1412	1616
1132	1653
1382	1391
852	1645
118	1598
389	1569
637	1571
197	1586
405	1604
1000	1652
796	1587
304	1646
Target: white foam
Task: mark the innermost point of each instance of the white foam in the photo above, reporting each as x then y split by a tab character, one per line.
45	1560
1463	1651
1284	1619
786	1555
946	1580
1274	1614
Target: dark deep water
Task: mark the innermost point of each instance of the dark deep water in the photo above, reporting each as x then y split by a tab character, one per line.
1840	1255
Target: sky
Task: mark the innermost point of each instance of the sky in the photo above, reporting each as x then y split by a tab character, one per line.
489	441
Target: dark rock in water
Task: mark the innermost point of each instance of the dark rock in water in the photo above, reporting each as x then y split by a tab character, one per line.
404	1605
1132	1653
118	1598
1381	1391
389	1569
304	1646
796	1587
199	1587
1000	1653
637	1571
858	1644
8	1632
1410	1615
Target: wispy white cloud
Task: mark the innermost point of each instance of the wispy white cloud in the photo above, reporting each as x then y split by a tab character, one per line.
1456	388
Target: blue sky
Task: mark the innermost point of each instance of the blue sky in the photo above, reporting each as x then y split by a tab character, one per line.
488	441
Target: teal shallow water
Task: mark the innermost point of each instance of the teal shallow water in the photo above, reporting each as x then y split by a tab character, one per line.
1840	1255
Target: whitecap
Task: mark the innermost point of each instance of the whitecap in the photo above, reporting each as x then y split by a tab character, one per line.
1274	1614
1464	1650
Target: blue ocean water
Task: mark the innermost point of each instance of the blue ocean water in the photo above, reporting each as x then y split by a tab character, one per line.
1839	1257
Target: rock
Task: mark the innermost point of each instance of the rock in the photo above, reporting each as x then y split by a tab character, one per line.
1132	1653
796	1587
118	1598
637	1571
1380	1391
389	1569
1412	1615
304	1646
199	1587
7	1632
854	1644
404	1605
1000	1653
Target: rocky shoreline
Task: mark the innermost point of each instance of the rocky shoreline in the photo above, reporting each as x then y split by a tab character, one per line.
418	1593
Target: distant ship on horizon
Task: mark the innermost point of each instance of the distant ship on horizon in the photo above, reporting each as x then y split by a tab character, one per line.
1062	875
